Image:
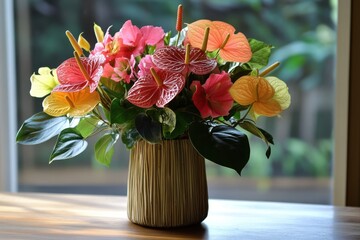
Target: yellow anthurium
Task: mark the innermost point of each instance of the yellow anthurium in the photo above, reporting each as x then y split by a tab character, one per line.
282	95
75	104
44	82
268	96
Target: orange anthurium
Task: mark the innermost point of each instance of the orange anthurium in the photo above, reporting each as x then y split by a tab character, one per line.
268	96
75	104
232	47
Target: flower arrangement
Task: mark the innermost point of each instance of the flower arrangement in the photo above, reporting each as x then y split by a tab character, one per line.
206	83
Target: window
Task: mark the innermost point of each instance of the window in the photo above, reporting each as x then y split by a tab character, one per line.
305	43
8	153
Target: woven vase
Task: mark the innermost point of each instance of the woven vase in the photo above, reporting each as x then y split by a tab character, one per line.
166	185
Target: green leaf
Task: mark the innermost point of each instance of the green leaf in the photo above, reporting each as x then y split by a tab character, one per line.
167	38
88	125
122	114
148	128
221	144
40	128
129	136
166	117
104	148
261	53
183	121
115	89
70	143
168	120
252	128
237	70
265	136
268	152
234	113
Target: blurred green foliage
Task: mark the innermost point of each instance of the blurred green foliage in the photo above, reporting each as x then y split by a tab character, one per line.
302	31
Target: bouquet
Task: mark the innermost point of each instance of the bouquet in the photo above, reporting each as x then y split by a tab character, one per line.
207	83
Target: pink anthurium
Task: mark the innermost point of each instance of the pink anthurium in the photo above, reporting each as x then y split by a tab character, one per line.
73	78
213	99
172	59
156	88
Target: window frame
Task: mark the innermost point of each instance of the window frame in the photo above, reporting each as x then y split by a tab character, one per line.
353	158
8	149
8	107
341	104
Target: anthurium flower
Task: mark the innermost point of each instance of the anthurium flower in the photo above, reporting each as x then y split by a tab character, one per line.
145	65
106	46
131	37
153	36
128	41
268	96
122	71
75	104
72	78
232	47
110	47
135	39
172	59
282	95
158	88
213	99
44	82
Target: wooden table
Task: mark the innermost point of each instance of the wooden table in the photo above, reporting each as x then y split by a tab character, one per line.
62	216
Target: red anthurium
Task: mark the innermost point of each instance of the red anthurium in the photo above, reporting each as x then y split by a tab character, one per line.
172	59
159	89
73	79
213	99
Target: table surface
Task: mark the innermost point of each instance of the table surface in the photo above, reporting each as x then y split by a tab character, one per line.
60	216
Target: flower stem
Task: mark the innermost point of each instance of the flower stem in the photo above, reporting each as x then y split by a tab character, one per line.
243	118
105	99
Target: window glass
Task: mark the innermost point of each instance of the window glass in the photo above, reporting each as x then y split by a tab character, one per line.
303	35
